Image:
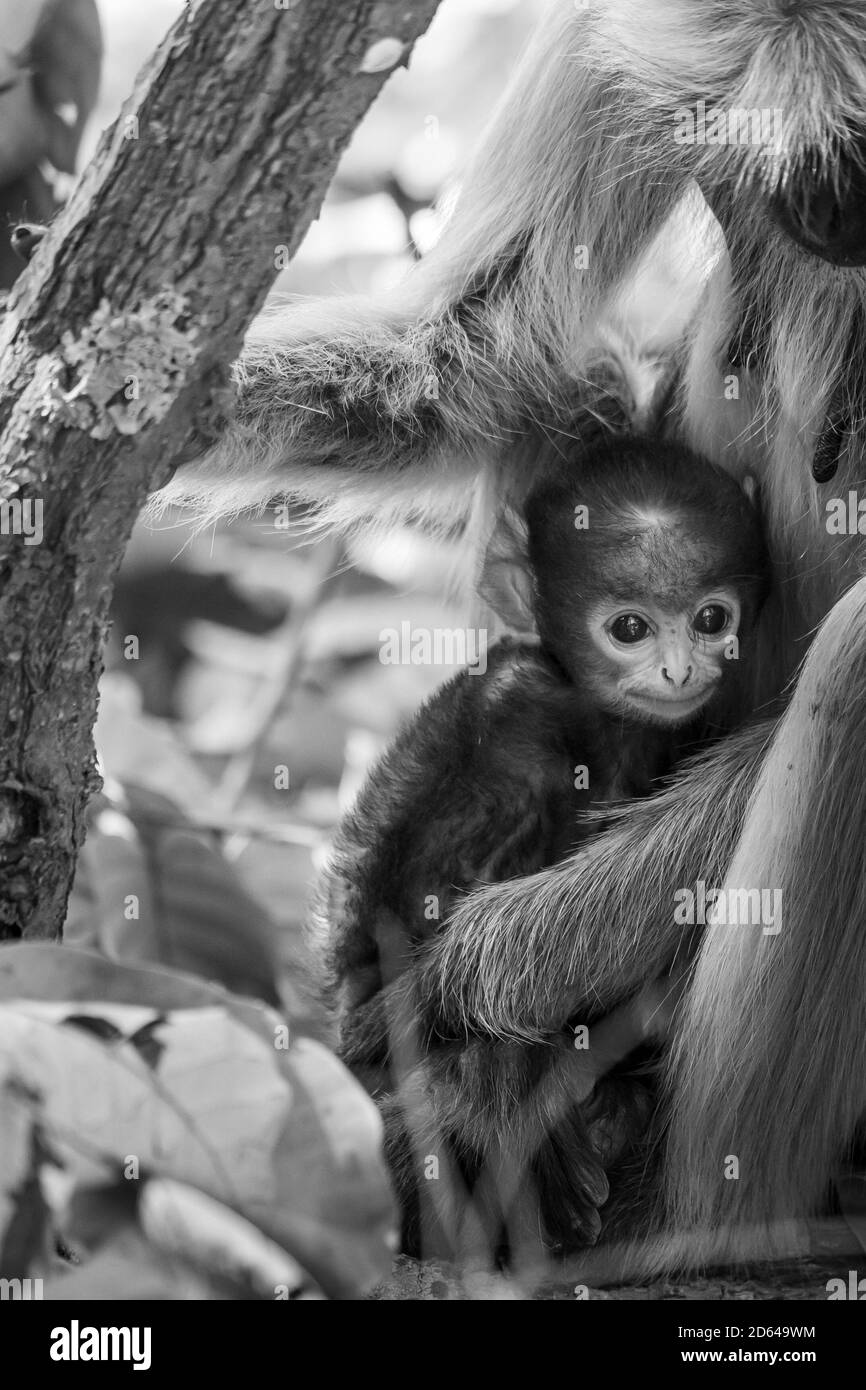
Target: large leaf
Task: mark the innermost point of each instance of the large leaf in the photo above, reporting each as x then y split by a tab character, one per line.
50	58
150	889
24	1229
151	1072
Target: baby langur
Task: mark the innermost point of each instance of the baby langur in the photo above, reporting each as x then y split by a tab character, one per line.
634	579
646	570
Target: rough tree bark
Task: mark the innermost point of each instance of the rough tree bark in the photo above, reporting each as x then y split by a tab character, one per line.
111	346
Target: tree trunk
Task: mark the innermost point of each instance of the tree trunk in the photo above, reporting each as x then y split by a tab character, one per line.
111	346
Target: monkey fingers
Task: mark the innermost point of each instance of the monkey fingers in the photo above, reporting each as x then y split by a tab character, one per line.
570	1183
548	1142
618	1115
514	1106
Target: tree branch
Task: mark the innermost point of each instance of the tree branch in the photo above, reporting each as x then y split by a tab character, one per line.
111	345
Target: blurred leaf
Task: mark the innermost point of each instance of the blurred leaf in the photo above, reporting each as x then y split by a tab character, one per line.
191	911
136	748
23	1212
66	56
176	1243
129	1268
157	602
285	1137
352	625
186	1223
49	70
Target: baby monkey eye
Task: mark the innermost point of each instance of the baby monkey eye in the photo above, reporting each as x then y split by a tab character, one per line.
629	627
711	619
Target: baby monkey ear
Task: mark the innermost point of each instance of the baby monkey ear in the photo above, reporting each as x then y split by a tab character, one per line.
506	581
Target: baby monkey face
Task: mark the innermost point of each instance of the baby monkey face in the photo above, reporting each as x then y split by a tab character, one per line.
663	665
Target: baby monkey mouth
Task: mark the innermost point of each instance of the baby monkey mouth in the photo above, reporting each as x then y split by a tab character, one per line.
670	709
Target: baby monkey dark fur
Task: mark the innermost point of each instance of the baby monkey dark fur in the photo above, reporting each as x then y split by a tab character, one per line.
639	570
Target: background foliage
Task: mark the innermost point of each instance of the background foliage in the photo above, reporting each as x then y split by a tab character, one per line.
170	1123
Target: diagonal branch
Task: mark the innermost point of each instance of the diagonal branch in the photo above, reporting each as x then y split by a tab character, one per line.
112	345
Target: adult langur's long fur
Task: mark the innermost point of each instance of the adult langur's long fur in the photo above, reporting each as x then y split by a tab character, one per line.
402	404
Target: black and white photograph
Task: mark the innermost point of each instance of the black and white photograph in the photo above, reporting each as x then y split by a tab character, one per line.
432	672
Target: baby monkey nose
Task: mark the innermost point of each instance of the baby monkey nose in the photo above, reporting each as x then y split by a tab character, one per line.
677	675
